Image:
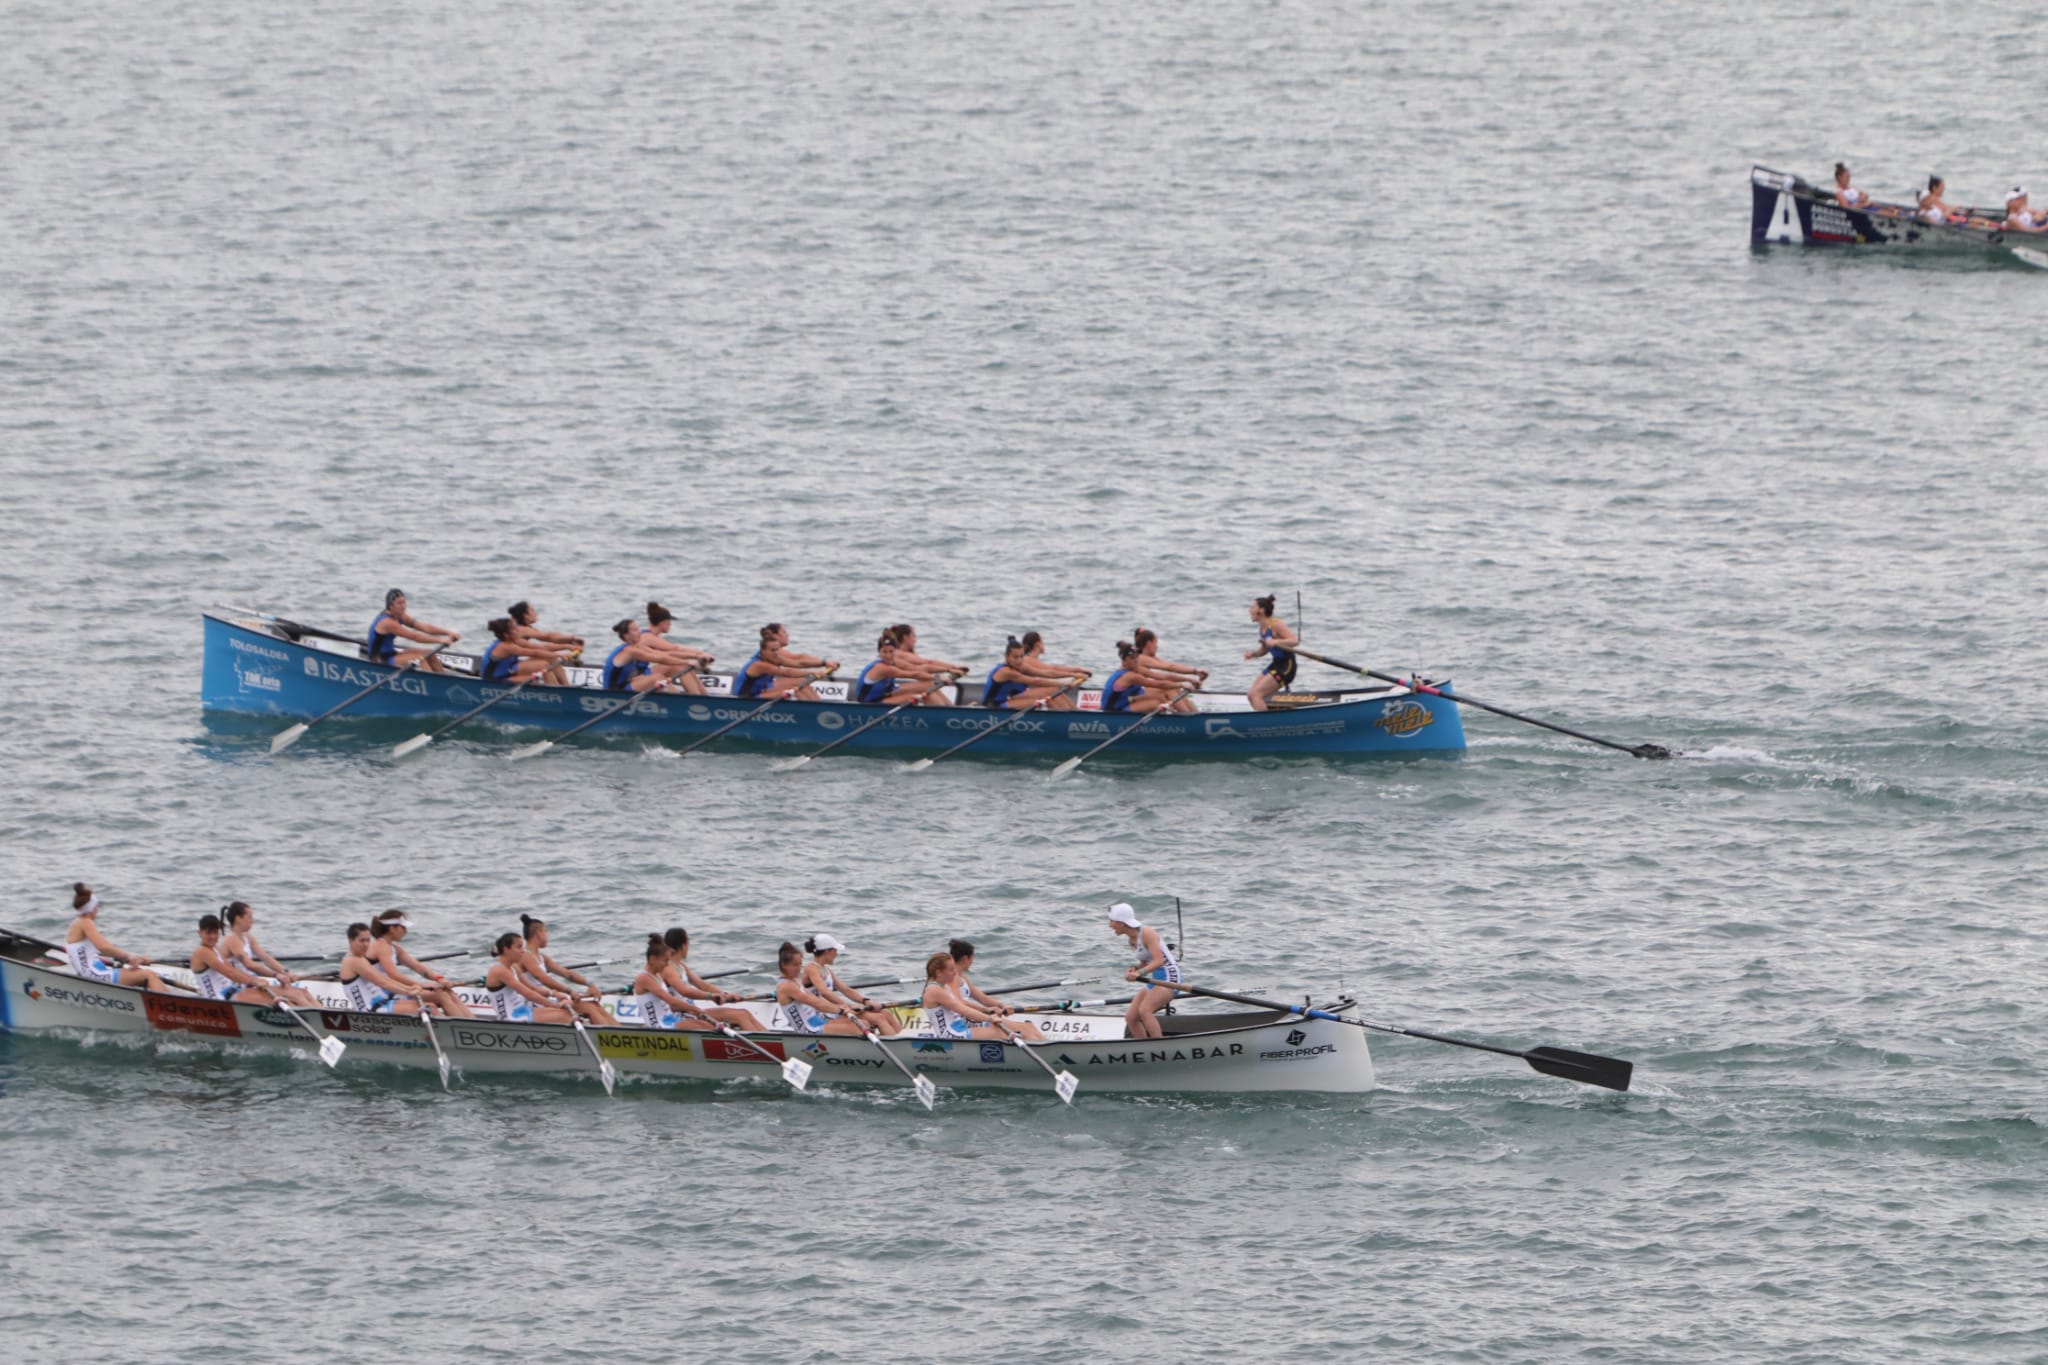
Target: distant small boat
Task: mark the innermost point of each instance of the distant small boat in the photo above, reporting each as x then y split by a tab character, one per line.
261	665
1786	210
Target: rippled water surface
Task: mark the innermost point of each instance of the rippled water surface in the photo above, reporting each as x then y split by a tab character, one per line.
1003	316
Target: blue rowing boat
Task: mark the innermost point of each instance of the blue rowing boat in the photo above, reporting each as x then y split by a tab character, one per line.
260	665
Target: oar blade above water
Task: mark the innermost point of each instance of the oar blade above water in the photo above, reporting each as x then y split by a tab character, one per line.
609	1074
285	738
1065	1084
1587	1068
926	1091
797	1073
331	1049
441	1061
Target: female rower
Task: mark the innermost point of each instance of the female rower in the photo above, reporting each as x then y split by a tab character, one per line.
509	659
525	631
1933	207
239	946
86	948
1133	685
552	975
951	1016
369	990
659	621
1277	643
1011	687
219	978
824	951
635	665
380	646
1155	963
659	1005
2020	218
387	950
906	653
516	997
1846	194
806	1011
774	669
962	953
708	1000
890	679
1032	660
1147	643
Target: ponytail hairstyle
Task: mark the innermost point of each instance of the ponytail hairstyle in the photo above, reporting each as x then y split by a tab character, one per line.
886	641
527	925
676	939
1013	645
620	627
1140	637
1840	169
811	946
787	954
1264	604
505	940
356	930
502	627
769	631
80	894
657	613
657	946
1124	651
960	949
380	924
519	611
234	910
902	630
936	963
1934	182
1032	640
210	924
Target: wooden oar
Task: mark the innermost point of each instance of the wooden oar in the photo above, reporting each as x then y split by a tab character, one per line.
790	765
921	1083
730	725
422	741
1064	1083
285	738
1587	1068
1416	685
606	1072
534	750
440	1057
1143	721
921	764
797	1073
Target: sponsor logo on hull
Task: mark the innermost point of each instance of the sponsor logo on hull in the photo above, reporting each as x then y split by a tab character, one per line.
1401	719
216	1017
1147	1056
645	1045
261	651
332	671
491	1040
70	995
726	1050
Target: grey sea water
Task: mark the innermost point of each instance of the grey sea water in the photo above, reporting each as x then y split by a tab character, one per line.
1007	316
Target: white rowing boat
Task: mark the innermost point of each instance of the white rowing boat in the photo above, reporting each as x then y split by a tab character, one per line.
1227	1052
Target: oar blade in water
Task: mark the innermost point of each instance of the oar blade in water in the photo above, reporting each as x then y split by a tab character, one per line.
609	1074
533	750
1066	767
331	1049
926	1091
1587	1068
790	765
797	1073
285	738
413	745
1065	1084
442	1062
1651	751
919	766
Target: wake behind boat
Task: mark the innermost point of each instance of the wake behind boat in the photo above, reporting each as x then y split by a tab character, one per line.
263	665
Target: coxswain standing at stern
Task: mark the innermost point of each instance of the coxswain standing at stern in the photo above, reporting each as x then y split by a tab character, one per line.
394	623
774	669
1155	963
1277	643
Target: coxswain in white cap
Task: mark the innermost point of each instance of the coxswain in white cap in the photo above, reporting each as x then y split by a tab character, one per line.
1155	963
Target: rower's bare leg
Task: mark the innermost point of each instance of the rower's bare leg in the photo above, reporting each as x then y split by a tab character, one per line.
883	1022
842	1027
1264	686
738	1018
594	1012
142	976
689	682
1030	697
298	995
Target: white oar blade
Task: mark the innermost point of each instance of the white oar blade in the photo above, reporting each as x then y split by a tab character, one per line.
926	1091
1065	1084
285	738
532	750
442	1061
1064	769
790	765
609	1074
797	1073
416	743
331	1049
920	765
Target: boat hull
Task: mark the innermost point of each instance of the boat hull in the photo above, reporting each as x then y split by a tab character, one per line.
1208	1054
1787	211
252	671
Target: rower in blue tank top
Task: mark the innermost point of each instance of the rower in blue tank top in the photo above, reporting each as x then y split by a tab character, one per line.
1277	643
775	670
1013	686
1134	685
893	677
636	666
515	658
380	644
